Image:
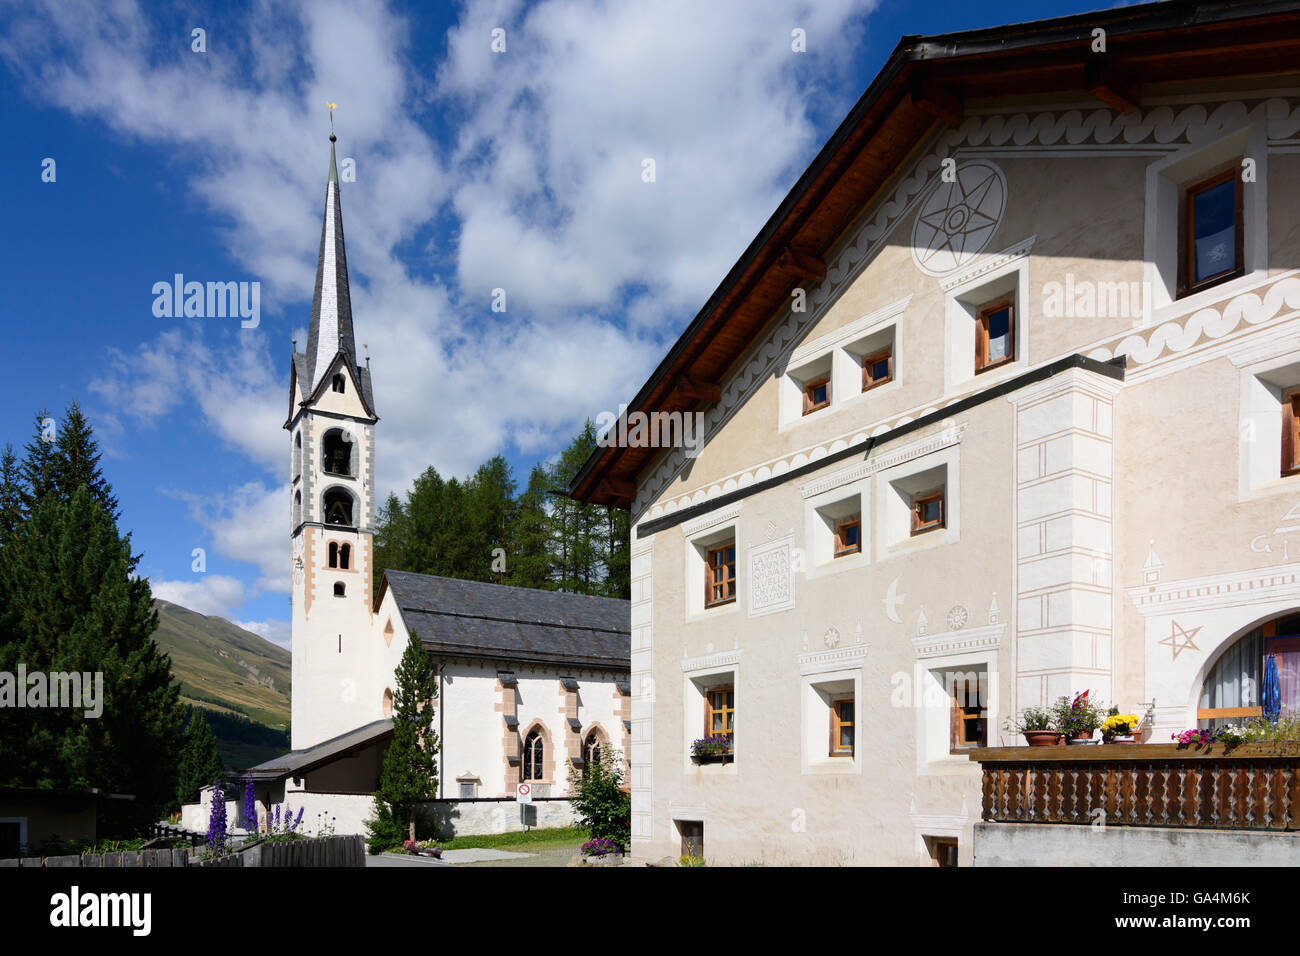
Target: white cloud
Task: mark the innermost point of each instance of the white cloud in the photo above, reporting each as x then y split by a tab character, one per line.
207	594
249	524
277	632
543	179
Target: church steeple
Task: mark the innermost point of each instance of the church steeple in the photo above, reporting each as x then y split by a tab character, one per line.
331	306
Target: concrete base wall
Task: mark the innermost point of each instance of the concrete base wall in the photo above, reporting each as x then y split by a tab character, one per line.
1028	844
450	818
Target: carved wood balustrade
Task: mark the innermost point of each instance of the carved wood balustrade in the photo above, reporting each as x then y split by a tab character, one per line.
1252	786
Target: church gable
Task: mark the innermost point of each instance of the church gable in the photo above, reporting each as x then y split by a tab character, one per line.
340	391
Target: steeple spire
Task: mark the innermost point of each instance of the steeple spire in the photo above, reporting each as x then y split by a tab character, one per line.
330	331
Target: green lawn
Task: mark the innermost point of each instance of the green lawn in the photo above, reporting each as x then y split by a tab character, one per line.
529	842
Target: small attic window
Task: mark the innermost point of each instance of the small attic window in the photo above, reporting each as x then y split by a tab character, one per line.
339	589
338	384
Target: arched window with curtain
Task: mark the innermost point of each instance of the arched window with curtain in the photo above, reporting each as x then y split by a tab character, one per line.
1234	690
534	755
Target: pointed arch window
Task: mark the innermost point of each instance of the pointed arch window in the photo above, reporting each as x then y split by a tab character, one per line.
591	750
297	456
339	384
297	508
534	755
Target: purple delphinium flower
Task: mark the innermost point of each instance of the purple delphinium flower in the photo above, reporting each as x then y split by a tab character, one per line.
277	817
250	807
297	821
217	820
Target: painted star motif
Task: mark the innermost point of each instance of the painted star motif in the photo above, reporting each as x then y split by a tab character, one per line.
959	218
1180	639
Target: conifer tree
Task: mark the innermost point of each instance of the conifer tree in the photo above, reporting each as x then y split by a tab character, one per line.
69	602
11	494
200	761
40	461
531	561
77	461
410	771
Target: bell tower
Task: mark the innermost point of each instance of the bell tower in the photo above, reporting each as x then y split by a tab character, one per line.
331	429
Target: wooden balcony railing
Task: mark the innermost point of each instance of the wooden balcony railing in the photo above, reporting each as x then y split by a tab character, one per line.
1247	787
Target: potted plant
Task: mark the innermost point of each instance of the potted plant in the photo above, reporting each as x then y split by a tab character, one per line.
712	749
1079	718
1037	726
1119	728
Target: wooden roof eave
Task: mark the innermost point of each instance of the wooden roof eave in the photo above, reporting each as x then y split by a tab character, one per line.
1168	42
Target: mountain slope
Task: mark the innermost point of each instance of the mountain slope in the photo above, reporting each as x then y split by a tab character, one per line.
224	667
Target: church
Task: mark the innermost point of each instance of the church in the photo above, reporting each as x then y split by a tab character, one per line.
530	683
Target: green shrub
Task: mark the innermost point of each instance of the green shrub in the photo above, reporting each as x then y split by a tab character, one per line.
384	831
601	804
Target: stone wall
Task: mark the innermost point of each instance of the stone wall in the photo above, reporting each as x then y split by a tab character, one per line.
1023	844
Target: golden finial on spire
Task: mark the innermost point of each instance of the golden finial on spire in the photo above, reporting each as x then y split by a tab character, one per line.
332	108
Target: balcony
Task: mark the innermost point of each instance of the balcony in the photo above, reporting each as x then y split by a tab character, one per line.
1152	804
1254	786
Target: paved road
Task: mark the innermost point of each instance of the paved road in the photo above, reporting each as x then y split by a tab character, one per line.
557	856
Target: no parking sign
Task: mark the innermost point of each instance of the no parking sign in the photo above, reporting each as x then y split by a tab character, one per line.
524	793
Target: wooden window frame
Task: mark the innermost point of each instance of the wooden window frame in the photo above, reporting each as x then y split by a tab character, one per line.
809	406
868	382
852	521
710	710
837	722
1291	432
922	527
1187	230
982	363
938	846
710	581
960	716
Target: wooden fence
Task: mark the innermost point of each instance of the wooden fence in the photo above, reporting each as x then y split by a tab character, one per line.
126	858
1248	787
338	851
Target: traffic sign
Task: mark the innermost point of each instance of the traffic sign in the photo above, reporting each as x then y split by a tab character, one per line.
524	793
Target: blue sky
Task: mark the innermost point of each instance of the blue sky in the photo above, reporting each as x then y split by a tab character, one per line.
474	171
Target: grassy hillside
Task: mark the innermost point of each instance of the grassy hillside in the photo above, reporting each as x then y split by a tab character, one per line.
231	671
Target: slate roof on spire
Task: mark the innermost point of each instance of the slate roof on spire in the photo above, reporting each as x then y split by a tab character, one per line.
330	331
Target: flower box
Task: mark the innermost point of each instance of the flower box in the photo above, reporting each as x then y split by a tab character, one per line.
714	758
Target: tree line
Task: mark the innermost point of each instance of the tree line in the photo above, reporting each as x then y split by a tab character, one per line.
482	528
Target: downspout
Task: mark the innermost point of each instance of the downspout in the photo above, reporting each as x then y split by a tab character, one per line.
442	748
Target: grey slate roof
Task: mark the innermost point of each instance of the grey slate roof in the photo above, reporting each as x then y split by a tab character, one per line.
339	279
499	622
297	762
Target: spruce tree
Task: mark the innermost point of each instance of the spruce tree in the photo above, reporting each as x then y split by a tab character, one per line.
77	461
200	761
40	462
531	560
71	604
410	771
11	494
